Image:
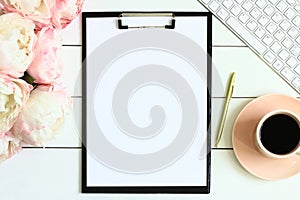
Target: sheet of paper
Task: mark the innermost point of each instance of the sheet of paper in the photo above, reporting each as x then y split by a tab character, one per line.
146	107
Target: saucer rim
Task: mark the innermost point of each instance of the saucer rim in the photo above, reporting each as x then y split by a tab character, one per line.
246	167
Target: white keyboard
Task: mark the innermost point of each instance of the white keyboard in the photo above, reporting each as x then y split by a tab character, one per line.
271	28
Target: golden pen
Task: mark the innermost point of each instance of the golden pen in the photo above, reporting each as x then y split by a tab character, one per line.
228	97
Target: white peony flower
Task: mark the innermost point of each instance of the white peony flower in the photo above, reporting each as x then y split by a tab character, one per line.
14	93
9	145
56	13
36	10
42	116
17	39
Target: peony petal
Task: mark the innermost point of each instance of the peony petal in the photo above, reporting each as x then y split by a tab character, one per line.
14	93
42	116
17	40
47	64
55	13
9	146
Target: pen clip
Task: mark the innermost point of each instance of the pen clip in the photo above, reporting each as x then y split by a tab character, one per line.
231	85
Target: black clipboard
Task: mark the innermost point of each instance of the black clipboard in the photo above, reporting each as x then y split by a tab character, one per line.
90	134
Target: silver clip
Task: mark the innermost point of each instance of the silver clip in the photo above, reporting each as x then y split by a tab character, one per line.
169	26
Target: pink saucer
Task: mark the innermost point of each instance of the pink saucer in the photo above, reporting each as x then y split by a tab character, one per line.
243	138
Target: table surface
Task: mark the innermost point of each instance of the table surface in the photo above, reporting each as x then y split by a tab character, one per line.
54	172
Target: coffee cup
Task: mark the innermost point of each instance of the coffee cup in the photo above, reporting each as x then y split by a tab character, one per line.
278	134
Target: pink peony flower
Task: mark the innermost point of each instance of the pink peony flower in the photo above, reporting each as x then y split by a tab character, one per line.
43	115
65	12
57	13
37	10
46	65
9	145
14	93
17	39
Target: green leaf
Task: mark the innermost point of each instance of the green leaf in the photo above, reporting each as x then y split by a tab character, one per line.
29	79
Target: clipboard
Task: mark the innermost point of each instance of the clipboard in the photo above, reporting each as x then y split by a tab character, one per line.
146	102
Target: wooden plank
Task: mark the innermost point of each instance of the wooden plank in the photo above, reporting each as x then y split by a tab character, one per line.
231	181
235	106
72	33
41	174
55	174
142	5
222	36
71	57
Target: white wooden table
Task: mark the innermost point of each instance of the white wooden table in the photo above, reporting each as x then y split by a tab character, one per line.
54	172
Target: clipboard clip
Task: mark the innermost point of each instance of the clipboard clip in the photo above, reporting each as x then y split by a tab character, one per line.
148	15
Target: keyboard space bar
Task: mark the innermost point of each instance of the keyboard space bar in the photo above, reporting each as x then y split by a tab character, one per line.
244	34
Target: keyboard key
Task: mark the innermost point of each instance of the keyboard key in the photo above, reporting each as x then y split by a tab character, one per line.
293	32
267	40
243	18
296	82
289	13
295	50
277	17
263	20
227	3
260	32
251	25
269	56
297	7
275	47
255	13
269	10
291	2
247	5
291	62
296	21
281	6
248	37
283	54
214	6
298	40
222	13
297	69
271	27
278	65
279	35
273	1
287	73
236	10
261	3
287	42
285	25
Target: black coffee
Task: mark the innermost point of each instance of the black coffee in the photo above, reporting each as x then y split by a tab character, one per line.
280	134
